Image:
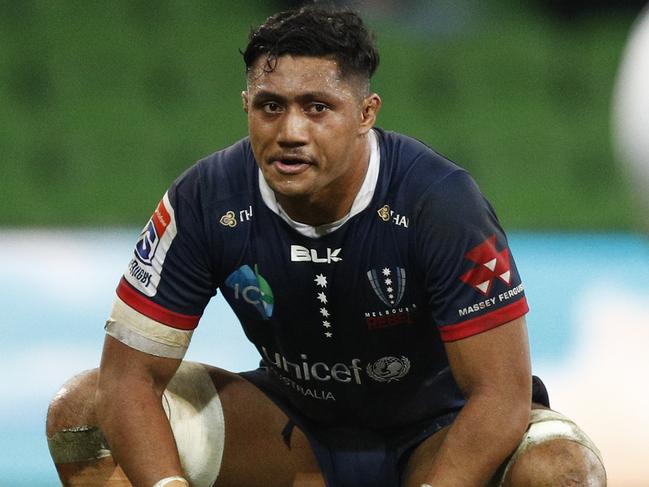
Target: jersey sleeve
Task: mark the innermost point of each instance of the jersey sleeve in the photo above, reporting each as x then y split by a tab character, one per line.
168	281
472	283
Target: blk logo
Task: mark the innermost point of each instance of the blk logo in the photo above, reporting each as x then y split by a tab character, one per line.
302	254
491	264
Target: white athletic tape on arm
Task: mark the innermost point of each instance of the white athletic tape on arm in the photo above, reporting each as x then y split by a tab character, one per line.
144	334
168	480
196	417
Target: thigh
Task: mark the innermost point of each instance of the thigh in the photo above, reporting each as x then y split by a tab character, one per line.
78	449
422	458
255	452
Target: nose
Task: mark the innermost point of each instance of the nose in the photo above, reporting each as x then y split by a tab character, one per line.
293	130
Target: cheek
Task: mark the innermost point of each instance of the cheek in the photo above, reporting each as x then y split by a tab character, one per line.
259	132
341	133
258	140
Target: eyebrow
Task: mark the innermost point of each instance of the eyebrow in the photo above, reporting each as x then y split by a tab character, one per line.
266	95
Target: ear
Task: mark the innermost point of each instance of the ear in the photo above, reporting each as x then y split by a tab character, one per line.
244	99
369	111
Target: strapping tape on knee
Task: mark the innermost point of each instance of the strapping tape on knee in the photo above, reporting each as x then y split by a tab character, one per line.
546	425
79	444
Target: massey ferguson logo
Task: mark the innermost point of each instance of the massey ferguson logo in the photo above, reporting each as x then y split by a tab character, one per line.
302	254
388	369
491	264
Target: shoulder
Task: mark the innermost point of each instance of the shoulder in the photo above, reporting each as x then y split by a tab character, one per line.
422	175
407	154
218	176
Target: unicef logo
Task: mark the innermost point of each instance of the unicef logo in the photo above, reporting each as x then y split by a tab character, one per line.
387	369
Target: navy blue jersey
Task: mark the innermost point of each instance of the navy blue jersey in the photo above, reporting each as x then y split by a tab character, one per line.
351	324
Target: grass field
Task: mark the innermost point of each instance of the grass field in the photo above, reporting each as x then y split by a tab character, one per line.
103	106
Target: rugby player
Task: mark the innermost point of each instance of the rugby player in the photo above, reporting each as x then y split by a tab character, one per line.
370	273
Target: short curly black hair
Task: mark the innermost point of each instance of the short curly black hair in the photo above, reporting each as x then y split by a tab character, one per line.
315	31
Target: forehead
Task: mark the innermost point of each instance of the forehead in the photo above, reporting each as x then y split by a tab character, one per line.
297	74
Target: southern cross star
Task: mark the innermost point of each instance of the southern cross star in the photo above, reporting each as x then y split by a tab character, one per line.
321	280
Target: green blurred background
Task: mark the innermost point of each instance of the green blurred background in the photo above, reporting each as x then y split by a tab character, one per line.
103	104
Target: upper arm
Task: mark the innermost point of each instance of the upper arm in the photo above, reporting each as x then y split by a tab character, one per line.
494	362
474	290
169	279
471	279
124	366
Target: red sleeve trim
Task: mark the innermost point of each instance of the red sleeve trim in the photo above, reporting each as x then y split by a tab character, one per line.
485	322
154	311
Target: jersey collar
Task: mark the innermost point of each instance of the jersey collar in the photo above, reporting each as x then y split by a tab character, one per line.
362	200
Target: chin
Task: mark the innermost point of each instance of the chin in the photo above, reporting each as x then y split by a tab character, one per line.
289	189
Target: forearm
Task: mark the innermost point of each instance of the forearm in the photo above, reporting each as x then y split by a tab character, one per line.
485	432
138	432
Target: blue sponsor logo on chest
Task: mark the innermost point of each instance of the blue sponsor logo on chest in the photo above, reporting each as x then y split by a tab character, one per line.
251	287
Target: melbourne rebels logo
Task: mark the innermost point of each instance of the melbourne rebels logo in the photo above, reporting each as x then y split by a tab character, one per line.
388	369
389	284
490	263
148	241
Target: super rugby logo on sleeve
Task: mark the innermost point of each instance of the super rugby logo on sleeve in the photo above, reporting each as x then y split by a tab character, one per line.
144	270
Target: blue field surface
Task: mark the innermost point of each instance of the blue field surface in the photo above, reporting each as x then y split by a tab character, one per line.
57	287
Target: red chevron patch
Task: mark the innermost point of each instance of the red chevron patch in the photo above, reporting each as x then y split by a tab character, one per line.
491	264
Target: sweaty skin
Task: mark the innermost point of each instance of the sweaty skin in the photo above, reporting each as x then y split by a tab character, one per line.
493	371
308	129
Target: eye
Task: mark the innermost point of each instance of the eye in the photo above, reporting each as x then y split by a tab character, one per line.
317	108
272	107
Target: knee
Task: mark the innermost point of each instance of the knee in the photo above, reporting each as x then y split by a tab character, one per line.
557	463
73	404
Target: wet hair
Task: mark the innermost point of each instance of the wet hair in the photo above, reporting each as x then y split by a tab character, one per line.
315	31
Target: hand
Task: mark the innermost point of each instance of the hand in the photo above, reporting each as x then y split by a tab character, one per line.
172	482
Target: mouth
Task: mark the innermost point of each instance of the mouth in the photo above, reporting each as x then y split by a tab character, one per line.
290	165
